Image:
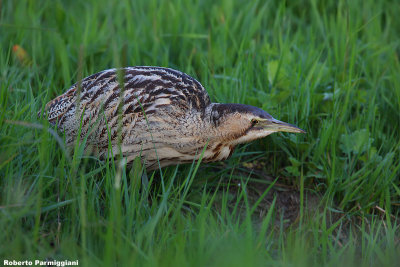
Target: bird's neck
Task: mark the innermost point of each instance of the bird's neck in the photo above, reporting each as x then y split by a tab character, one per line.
218	131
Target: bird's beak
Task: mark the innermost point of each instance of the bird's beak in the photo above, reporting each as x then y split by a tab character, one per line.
280	126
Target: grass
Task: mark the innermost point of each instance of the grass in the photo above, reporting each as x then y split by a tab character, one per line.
326	198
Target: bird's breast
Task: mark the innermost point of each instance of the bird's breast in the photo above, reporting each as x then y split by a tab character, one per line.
218	152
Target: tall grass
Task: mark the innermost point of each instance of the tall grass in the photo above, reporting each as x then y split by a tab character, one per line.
326	198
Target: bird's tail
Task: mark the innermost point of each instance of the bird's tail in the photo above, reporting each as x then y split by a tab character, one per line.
57	107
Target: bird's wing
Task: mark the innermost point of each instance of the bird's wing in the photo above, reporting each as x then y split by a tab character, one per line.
144	89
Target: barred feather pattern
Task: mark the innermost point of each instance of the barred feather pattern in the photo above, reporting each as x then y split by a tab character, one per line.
157	113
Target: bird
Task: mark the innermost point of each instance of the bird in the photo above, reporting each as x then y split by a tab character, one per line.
159	114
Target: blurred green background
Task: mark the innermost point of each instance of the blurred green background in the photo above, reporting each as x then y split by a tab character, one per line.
325	198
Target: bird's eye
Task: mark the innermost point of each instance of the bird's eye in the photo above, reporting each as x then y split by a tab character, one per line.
254	121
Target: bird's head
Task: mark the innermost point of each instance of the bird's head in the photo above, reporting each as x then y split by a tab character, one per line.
237	123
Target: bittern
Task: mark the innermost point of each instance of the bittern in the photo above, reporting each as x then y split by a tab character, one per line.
160	114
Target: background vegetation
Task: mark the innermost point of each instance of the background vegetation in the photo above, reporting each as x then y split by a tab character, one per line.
325	198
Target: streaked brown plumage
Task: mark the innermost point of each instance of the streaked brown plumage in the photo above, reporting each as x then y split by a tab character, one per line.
159	113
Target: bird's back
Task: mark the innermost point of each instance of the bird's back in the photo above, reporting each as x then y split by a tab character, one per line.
122	101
